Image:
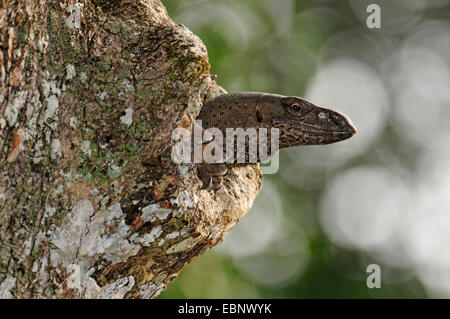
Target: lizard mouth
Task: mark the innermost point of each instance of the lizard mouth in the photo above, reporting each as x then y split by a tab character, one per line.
315	130
324	136
321	130
305	133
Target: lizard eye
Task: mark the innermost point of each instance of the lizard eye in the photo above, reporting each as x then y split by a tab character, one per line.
295	107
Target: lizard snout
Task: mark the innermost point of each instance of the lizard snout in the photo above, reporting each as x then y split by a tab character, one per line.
336	122
344	123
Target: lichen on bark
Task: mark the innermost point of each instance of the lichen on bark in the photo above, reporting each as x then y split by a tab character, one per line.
91	206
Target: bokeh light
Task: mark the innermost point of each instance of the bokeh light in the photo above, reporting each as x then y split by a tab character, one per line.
382	196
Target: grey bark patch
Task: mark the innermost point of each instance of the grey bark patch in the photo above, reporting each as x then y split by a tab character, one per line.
117	289
52	106
127	119
50	87
150	290
184	200
114	171
55	149
152	212
91	289
147	239
74	279
83	235
70	71
6	286
13	108
68	238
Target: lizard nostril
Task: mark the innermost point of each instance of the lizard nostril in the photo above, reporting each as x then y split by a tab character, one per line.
337	119
323	116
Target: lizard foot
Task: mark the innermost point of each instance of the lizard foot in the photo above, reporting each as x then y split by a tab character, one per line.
211	174
216	182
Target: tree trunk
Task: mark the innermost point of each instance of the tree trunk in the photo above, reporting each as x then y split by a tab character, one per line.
91	204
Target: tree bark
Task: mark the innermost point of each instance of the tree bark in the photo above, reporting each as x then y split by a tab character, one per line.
91	205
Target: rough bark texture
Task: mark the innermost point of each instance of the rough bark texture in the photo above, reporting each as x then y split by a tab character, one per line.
91	205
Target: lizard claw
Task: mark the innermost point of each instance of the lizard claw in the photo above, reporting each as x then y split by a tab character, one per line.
211	174
216	182
204	177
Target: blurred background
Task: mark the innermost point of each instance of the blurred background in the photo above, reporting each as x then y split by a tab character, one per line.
382	197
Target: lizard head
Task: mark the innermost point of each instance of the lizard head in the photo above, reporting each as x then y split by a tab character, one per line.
302	123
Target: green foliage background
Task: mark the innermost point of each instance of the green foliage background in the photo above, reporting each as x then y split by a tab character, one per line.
277	46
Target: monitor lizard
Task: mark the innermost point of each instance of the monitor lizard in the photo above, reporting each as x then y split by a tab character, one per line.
299	122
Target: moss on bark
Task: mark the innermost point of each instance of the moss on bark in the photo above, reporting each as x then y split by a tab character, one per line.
91	205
